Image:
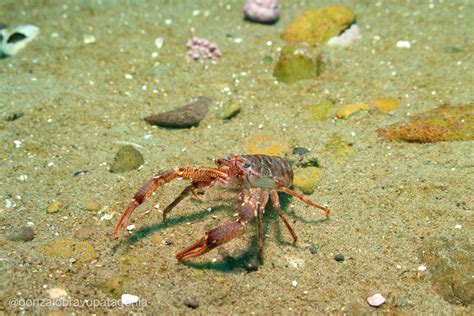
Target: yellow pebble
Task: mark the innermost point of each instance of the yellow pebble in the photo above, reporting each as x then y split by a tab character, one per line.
349	109
54	207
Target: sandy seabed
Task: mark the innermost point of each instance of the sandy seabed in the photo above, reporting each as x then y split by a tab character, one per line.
395	206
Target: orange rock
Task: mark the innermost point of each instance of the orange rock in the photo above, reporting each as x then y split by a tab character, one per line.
316	26
386	105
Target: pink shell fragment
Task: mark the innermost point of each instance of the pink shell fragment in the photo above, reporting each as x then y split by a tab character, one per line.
376	300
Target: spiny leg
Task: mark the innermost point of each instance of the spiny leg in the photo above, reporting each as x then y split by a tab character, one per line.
207	175
326	211
276	206
189	189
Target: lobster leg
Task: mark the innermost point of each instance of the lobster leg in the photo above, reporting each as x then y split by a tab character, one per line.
263	202
276	206
206	175
192	188
326	211
226	232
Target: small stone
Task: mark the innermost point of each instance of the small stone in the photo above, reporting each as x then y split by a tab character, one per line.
339	257
300	151
295	64
228	111
376	300
306	179
191	303
183	117
294	283
349	109
92	206
126	159
168	242
85	232
128	299
54	207
314	249
25	234
56	293
252	264
422	268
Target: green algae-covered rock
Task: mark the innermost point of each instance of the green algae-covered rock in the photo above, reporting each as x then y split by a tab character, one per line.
306	179
321	111
127	158
316	26
296	64
443	123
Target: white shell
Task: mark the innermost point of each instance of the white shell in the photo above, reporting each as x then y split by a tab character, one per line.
10	49
128	299
376	300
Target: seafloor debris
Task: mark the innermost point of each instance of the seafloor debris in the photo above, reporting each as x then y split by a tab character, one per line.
200	49
264	144
316	26
262	11
295	64
183	117
383	105
14	39
306	179
444	123
228	111
126	159
376	300
346	38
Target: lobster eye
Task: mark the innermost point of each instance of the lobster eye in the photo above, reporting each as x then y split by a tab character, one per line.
246	165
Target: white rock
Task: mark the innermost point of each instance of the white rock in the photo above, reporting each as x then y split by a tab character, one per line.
29	32
347	38
376	300
89	39
294	283
56	293
128	299
131	227
403	44
422	268
159	42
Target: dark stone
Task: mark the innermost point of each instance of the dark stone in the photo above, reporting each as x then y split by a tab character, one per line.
80	173
191	303
183	117
339	257
168	242
16	37
25	234
300	151
252	264
314	249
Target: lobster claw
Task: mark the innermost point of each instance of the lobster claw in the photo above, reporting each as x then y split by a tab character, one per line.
198	248
213	238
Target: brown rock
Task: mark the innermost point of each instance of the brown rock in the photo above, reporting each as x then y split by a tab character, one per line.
183	117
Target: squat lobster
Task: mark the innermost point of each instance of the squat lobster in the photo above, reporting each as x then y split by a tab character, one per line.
258	177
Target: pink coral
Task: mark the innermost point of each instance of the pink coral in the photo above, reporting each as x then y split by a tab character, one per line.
200	49
262	11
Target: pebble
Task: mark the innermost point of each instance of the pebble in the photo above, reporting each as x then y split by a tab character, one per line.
127	158
306	179
252	264
54	207
339	257
183	117
25	234
128	299
300	151
228	111
314	249
92	206
84	233
376	300
191	303
56	293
